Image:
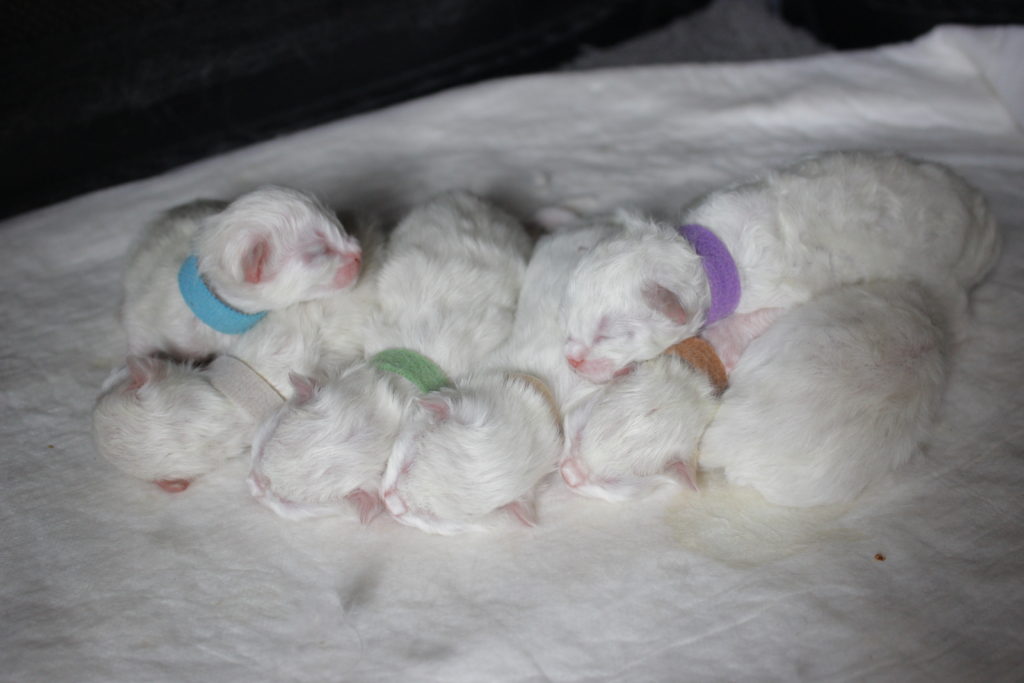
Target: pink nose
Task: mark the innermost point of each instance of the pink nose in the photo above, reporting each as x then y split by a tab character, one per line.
347	273
574	362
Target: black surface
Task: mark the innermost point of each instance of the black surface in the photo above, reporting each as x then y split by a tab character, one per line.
847	24
105	91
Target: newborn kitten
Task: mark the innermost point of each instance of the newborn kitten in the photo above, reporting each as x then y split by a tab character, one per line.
447	291
840	218
170	422
639	431
483	445
816	422
267	250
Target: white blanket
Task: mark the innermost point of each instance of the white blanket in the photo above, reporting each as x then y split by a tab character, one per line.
105	578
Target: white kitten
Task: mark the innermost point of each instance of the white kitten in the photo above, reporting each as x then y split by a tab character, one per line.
639	431
144	422
447	291
816	422
840	218
267	250
485	444
170	422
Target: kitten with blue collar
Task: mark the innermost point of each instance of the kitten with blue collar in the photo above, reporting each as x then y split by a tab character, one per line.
207	271
171	422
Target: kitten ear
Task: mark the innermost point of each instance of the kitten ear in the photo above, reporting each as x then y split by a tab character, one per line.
684	473
524	510
254	261
436	405
142	370
664	301
367	503
305	387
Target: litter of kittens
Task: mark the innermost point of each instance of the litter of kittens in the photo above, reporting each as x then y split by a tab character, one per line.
630	538
855	268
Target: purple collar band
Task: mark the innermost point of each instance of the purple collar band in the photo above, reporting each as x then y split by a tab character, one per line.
723	277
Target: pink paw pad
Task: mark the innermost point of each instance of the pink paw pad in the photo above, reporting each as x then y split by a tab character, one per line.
573	473
173	485
395	505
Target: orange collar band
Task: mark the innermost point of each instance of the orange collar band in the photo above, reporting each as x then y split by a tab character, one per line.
700	354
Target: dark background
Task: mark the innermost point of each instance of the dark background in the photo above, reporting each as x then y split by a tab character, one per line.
100	92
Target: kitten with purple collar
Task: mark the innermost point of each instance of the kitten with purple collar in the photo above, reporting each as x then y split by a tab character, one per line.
831	289
746	253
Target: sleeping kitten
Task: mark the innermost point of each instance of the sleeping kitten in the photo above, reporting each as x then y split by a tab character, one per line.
447	291
466	452
839	218
267	250
170	422
639	431
817	422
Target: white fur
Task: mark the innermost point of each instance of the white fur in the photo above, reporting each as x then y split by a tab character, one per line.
164	421
488	447
840	218
842	390
144	422
486	444
267	250
323	447
625	438
447	290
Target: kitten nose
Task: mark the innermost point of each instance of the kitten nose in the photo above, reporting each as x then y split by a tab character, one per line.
575	352
348	272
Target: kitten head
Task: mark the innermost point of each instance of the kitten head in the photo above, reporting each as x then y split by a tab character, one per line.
464	454
275	247
322	453
638	432
631	297
163	422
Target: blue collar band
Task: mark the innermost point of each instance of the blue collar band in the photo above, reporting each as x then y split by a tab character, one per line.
207	306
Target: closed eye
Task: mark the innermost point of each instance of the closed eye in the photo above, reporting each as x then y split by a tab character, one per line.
617	334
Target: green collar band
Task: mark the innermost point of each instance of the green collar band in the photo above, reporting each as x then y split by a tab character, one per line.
416	368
